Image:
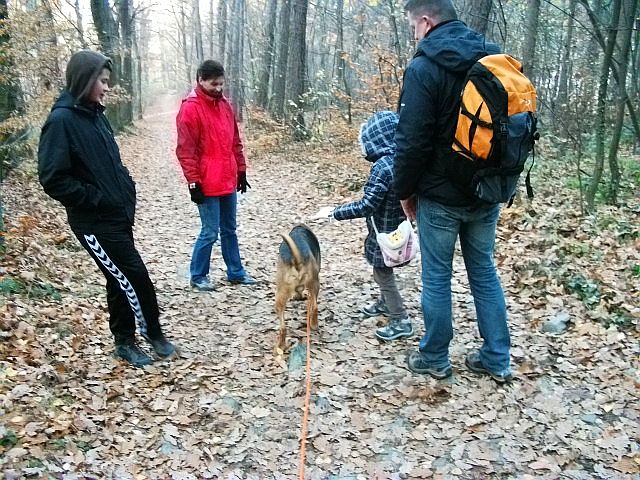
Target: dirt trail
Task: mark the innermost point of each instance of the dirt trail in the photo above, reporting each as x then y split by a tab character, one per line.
229	409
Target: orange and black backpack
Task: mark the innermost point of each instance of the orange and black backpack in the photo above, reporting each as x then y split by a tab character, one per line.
496	129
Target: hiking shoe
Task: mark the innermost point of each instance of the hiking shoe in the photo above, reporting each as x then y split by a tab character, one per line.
473	363
132	353
246	280
163	347
417	364
375	309
203	285
395	329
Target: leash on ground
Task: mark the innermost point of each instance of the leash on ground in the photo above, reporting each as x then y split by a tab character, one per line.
305	415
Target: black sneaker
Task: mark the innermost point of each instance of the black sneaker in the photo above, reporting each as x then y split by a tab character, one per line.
396	329
132	353
375	309
473	363
163	347
417	364
203	285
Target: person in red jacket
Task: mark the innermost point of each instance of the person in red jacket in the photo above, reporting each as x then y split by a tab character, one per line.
210	153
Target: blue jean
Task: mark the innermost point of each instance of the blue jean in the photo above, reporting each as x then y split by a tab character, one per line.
217	214
439	227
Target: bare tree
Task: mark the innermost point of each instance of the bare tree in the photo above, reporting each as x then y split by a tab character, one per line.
601	121
477	14
266	67
280	74
627	17
126	78
222	29
531	29
298	69
197	28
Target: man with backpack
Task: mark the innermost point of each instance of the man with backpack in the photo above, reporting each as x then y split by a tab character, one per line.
445	209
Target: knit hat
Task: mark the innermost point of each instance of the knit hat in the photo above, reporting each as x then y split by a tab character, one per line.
83	69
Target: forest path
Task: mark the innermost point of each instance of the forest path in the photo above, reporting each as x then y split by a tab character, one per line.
229	408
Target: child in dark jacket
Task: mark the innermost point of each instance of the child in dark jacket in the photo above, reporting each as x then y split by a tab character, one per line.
381	204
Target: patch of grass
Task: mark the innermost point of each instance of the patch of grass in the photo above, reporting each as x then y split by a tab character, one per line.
636	270
84	446
586	289
44	290
8	438
35	463
12	285
621	319
59	443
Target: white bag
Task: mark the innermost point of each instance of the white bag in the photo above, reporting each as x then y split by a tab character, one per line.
398	247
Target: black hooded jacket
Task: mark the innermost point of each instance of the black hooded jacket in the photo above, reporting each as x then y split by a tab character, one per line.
429	105
79	161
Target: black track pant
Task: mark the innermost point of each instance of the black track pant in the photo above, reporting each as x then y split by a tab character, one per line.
131	296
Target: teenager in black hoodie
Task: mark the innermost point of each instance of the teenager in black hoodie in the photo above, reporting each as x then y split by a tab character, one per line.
79	165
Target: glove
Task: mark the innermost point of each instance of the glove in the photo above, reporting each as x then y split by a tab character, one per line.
242	183
196	193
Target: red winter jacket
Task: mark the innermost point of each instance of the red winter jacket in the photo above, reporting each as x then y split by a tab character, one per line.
209	147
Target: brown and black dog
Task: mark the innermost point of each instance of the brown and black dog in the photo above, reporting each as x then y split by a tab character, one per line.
298	270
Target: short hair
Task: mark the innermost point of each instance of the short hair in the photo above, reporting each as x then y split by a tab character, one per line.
440	10
210	69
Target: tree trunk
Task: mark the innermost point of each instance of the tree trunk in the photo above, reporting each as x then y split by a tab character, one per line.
528	55
280	74
340	58
126	80
266	67
80	26
197	27
298	69
601	111
222	29
211	30
236	55
562	99
108	36
478	15
185	53
627	16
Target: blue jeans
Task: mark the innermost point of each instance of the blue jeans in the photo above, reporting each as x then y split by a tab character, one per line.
217	214
439	227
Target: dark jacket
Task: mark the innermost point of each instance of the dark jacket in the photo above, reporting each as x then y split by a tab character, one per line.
429	105
79	165
379	200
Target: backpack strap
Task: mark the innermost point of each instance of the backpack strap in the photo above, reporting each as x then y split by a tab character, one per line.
373	224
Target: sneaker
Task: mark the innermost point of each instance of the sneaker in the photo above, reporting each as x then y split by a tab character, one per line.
203	285
246	280
163	347
132	353
375	309
473	363
417	364
395	329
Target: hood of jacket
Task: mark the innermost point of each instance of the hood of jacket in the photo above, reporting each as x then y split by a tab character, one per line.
83	69
454	46
377	135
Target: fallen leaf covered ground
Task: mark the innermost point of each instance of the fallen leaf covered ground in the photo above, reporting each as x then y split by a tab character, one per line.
228	408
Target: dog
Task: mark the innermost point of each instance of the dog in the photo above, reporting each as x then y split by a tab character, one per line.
298	270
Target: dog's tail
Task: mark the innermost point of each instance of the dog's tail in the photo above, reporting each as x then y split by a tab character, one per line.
295	251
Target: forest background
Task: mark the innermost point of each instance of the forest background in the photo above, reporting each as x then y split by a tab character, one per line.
302	76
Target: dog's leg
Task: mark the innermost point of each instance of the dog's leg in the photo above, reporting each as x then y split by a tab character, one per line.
312	304
282	297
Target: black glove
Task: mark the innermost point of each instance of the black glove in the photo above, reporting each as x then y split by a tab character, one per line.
242	183
196	193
